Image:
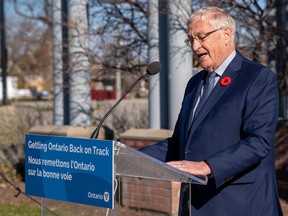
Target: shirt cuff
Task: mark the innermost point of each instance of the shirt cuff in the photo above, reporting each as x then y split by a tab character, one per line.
211	174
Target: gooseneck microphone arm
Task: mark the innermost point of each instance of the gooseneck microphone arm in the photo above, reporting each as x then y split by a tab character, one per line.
96	131
152	69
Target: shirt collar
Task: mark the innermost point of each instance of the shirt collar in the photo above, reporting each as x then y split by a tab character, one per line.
220	70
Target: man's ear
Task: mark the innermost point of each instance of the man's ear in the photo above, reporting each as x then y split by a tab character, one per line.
227	35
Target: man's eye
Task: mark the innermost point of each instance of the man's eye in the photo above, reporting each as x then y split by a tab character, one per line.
201	36
191	39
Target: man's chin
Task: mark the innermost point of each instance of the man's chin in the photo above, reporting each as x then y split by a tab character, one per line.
206	67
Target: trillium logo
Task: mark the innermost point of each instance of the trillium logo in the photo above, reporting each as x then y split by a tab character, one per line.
106	197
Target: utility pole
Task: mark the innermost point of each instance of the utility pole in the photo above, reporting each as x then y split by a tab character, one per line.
179	60
3	52
72	101
153	55
65	63
79	76
282	54
58	114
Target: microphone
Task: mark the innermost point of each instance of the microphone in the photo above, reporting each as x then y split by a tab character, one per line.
152	69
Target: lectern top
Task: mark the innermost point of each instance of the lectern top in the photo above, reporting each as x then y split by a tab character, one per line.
130	162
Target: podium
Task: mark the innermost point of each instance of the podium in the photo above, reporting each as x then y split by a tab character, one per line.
56	168
133	163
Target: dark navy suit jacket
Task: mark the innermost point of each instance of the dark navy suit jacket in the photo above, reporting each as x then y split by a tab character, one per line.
233	132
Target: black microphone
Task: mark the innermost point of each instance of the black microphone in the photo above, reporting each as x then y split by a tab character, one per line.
152	69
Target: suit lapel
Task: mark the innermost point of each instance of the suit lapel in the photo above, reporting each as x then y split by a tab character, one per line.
231	71
189	103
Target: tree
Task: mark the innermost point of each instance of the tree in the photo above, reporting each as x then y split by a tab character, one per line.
118	32
30	51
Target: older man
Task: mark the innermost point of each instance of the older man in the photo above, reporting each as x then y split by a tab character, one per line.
226	126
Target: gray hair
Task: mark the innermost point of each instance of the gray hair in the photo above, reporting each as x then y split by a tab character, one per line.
216	17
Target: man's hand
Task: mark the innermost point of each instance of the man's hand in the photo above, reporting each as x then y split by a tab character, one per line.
194	168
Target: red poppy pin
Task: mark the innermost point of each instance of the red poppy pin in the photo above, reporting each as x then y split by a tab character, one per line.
225	81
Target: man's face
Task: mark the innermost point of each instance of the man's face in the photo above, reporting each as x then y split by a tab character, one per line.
209	49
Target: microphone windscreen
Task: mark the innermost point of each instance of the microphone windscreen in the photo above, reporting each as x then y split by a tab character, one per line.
153	68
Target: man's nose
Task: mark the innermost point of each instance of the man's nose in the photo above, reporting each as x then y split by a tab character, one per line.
196	45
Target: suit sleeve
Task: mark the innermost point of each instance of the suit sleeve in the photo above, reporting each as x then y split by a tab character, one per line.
165	150
257	131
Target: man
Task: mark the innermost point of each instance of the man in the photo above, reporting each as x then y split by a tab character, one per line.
230	136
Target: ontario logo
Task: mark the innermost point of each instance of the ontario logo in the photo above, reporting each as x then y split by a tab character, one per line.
105	196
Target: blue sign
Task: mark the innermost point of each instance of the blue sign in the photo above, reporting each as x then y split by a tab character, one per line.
70	169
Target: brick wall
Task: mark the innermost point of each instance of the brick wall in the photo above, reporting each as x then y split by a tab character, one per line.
281	145
154	195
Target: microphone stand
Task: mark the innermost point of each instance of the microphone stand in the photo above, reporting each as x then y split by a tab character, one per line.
96	131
